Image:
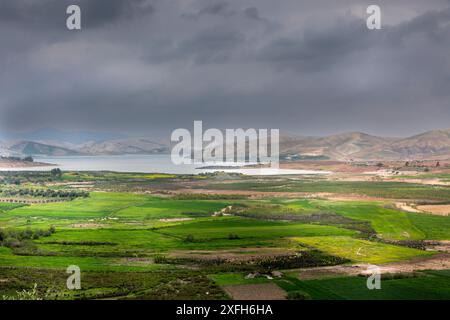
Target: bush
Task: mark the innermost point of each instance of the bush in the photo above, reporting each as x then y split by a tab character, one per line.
56	172
159	259
298	295
32	294
17	238
11	242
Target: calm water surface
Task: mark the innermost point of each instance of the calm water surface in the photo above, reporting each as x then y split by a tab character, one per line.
160	163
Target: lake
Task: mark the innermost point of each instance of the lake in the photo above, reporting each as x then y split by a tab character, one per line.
158	163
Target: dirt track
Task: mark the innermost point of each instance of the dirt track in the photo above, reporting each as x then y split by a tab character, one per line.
437	209
437	262
434	209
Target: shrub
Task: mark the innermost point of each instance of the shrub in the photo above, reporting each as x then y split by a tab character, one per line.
17	238
159	259
298	295
25	295
189	238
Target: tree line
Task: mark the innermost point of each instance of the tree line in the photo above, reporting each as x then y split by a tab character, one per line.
45	193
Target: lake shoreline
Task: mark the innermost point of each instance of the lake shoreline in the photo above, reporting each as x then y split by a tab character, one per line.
12	164
143	164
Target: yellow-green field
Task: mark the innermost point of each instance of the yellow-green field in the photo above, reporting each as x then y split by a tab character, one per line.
133	235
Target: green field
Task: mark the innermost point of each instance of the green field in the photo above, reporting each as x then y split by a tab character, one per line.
216	239
423	286
361	250
426	285
388	190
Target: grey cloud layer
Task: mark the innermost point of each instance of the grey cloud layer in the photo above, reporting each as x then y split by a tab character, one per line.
310	67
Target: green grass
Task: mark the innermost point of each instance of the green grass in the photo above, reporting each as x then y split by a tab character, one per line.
8	259
429	286
122	232
5	206
433	227
361	250
106	207
388	223
389	190
421	286
157	208
443	176
96	206
154	284
251	228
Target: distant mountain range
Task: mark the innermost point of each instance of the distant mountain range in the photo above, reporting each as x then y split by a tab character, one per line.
360	146
354	145
56	148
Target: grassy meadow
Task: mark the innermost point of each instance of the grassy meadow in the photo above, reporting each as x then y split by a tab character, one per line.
132	240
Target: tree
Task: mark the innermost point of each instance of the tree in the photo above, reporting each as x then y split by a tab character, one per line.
56	172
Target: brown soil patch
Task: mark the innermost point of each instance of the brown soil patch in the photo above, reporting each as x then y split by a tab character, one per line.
436	262
443	245
87	225
436	209
175	219
352	197
250	194
6	164
136	261
234	255
334	166
406	207
432	182
263	291
331	271
273	194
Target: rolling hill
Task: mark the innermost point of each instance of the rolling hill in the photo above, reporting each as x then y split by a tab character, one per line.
353	145
337	147
429	145
123	146
30	148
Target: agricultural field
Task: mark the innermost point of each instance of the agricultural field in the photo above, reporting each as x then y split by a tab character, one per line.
158	236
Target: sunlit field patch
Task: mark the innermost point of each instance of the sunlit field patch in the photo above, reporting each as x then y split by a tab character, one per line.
362	250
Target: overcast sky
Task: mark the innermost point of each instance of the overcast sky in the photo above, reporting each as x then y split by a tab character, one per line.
148	66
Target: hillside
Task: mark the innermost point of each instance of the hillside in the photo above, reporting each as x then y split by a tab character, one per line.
337	147
353	145
429	145
36	148
123	146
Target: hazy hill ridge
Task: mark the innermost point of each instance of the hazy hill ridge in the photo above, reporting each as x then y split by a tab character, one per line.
433	144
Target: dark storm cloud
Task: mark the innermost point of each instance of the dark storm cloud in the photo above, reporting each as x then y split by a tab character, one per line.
211	46
220	8
310	67
252	13
50	13
317	49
